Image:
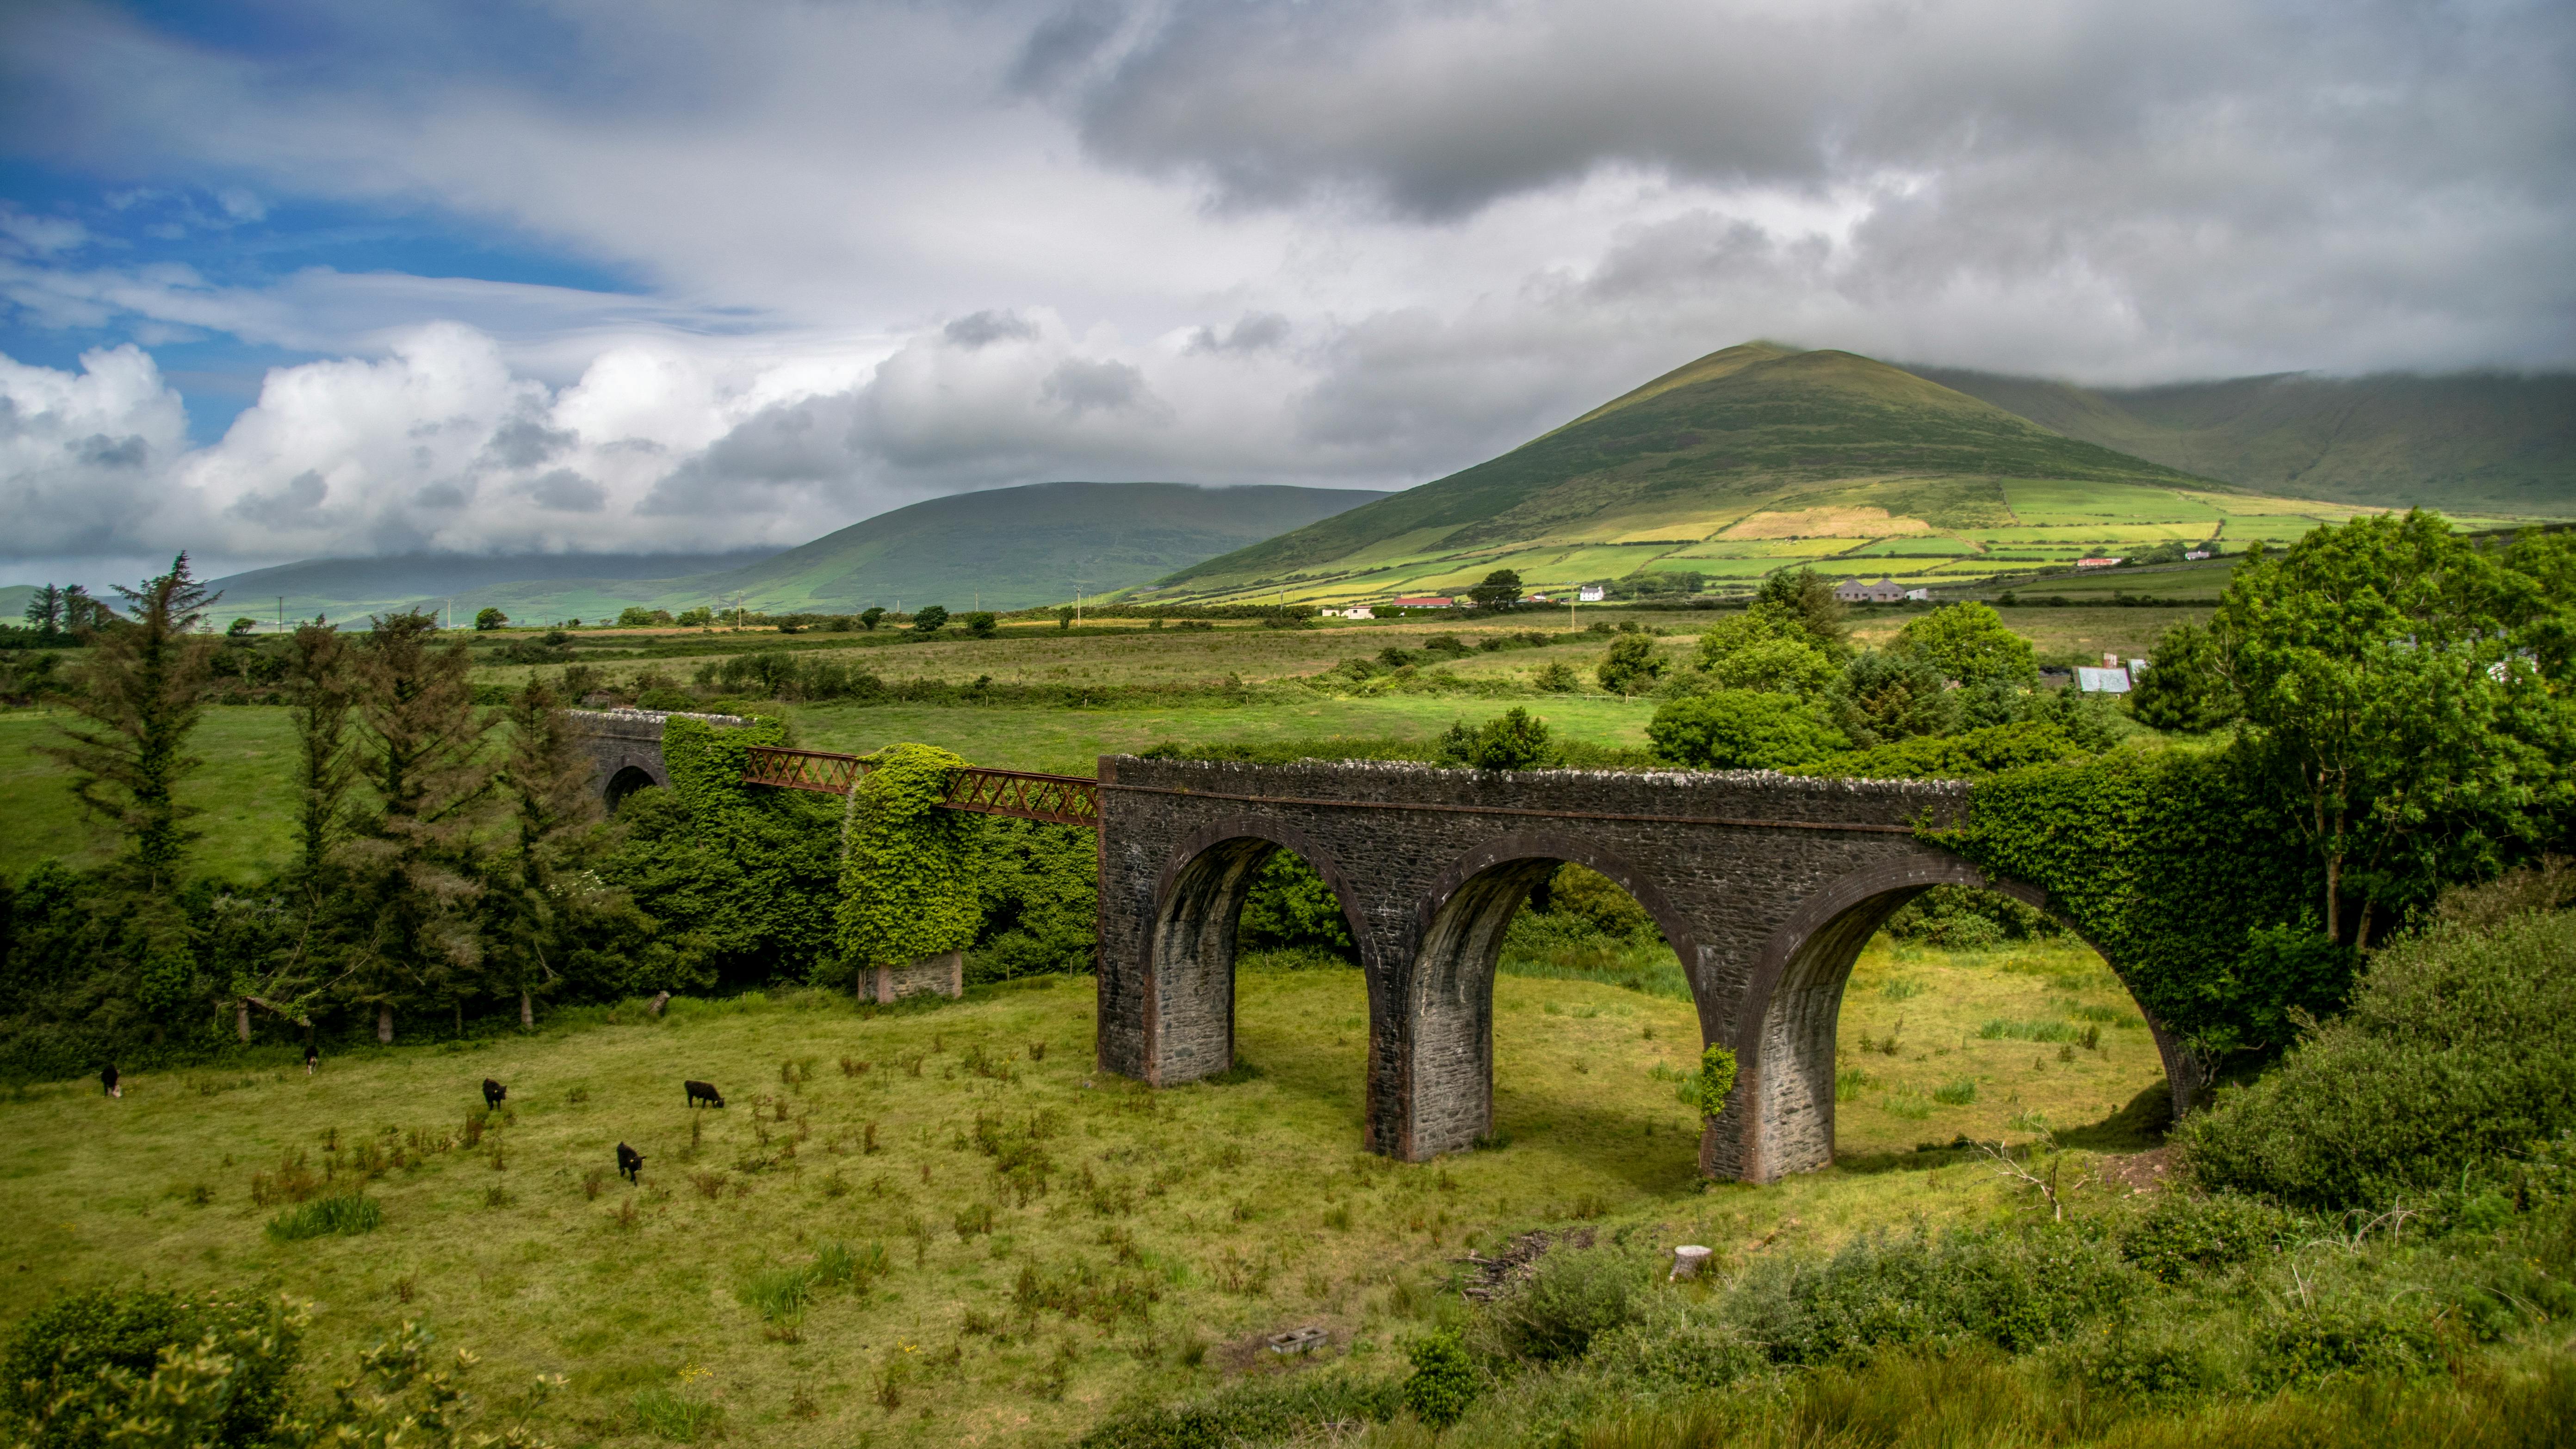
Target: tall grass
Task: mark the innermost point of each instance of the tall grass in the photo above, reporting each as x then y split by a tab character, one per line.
346	1214
678	1418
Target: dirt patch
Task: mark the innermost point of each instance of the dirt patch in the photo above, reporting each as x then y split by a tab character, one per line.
1489	1278
2141	1172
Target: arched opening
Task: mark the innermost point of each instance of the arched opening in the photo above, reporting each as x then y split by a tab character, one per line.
626	782
1974	1020
1448	1062
1198	930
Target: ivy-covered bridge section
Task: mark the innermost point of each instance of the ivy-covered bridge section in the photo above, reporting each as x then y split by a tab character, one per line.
1766	886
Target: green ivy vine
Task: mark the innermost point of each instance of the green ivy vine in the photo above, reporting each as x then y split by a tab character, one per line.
2171	864
909	885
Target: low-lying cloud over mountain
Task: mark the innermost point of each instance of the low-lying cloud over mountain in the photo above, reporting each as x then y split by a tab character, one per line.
626	277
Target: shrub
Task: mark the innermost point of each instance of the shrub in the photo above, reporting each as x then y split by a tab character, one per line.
2187	689
1442	1383
2458	1049
1631	666
1513	740
1676	1342
1288	908
2183	1234
1736	729
347	1214
2014	1291
69	1343
1881	698
1575	1294
1251	1413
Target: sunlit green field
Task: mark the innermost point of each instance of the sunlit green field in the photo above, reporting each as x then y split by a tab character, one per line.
1054	1242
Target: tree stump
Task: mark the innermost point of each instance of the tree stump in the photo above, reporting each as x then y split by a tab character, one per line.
1687	1261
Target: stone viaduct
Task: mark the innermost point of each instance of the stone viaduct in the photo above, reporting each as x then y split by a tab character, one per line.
1766	886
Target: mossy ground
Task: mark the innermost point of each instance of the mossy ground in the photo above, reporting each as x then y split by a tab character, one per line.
1179	1226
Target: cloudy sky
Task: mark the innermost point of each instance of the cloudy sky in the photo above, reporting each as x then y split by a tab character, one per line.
281	278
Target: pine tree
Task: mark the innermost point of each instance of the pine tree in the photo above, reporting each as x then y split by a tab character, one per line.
548	781
413	861
142	690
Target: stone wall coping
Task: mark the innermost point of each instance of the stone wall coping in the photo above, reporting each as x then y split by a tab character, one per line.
658	716
1372	777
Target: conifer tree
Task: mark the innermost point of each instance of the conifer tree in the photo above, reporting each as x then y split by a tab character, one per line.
420	750
548	782
142	691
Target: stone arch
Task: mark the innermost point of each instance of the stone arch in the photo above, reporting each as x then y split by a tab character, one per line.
627	781
1781	1119
1198	902
1447	1072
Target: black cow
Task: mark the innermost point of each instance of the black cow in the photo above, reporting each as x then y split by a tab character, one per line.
494	1093
107	1079
629	1163
312	1059
701	1092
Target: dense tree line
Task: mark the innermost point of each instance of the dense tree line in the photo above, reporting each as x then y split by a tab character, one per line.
451	863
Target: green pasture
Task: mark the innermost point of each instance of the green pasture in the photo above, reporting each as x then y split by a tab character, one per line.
1058	1242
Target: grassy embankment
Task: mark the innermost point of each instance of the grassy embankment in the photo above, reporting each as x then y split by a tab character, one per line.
1178	1226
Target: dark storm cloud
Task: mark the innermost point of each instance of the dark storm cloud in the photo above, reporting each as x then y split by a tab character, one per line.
564	491
1439	108
1252	332
982	329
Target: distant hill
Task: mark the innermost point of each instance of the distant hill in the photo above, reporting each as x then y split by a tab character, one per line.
350	588
14	599
1016	548
1752	459
2468	442
1008	548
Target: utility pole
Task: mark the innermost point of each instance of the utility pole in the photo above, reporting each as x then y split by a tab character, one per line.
281	613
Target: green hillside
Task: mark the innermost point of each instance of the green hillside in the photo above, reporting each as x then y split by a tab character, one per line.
1015	548
2470	442
345	588
13	602
1752	459
1009	548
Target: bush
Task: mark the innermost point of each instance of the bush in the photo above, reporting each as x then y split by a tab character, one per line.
2014	1291
1631	666
1735	729
1574	1295
1970	756
1883	697
1443	1383
2184	1234
70	1342
2458	1049
1248	1414
1961	918
1513	740
1678	1343
1291	908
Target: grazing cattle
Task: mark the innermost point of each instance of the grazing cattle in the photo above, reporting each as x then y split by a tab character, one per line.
701	1092
629	1163
312	1059
107	1079
494	1093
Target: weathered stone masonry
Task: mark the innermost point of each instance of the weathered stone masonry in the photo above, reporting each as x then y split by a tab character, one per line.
625	747
1766	886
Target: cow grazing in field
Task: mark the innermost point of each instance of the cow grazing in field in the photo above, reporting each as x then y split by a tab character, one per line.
702	1092
630	1163
494	1094
312	1059
107	1079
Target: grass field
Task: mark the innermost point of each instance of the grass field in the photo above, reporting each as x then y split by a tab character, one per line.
247	798
1053	1242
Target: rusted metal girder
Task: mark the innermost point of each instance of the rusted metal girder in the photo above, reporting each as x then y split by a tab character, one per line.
1057	799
